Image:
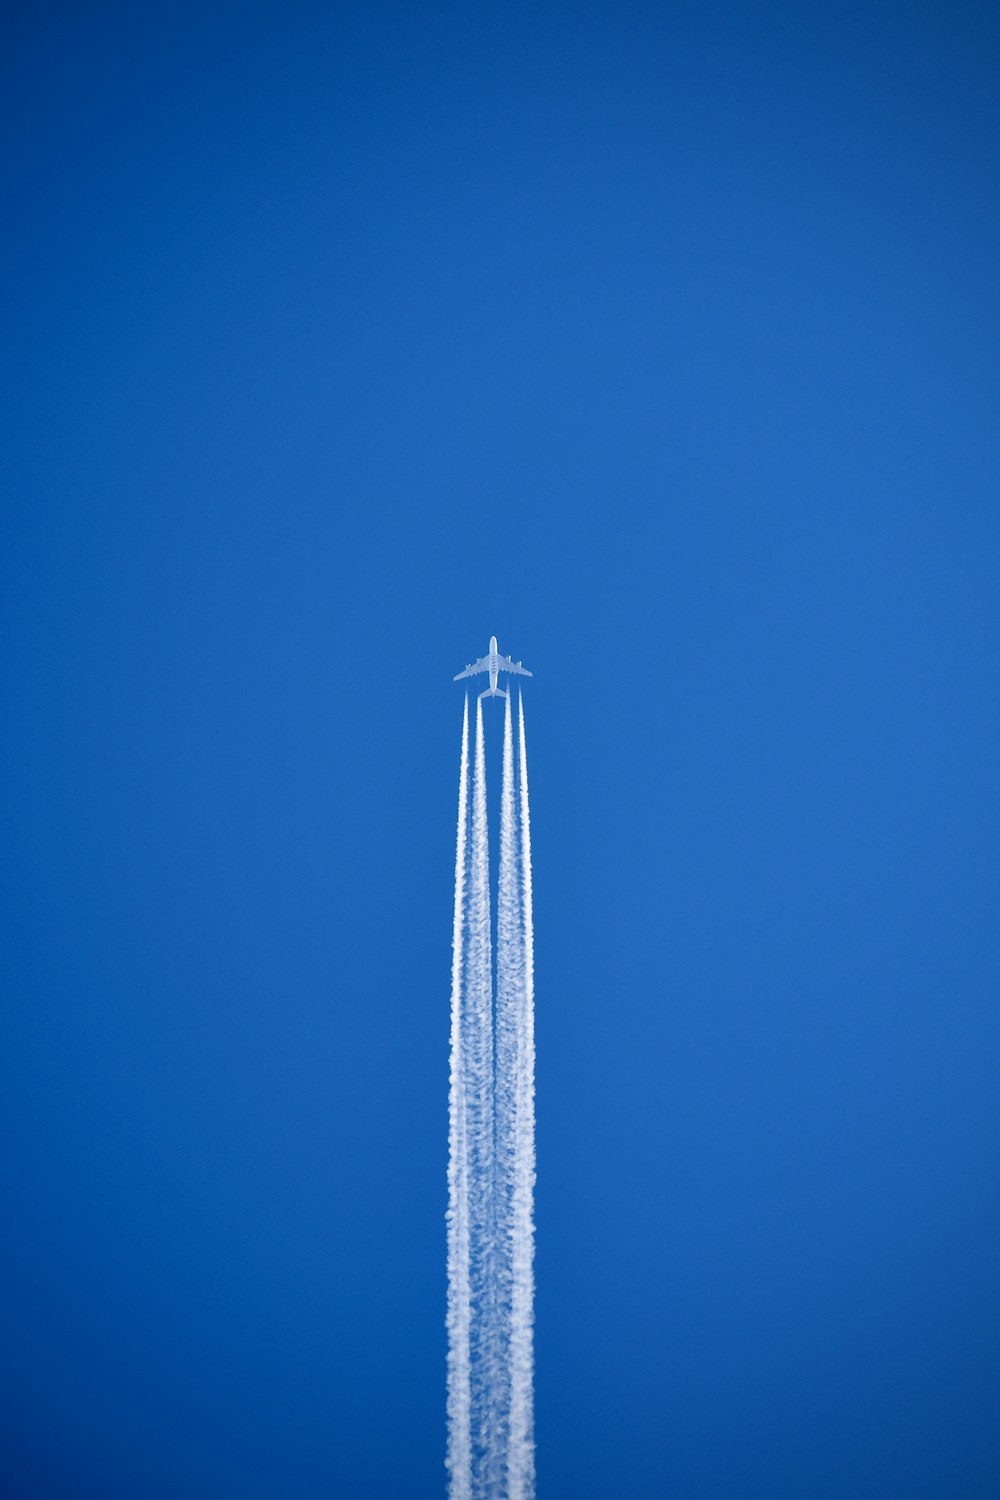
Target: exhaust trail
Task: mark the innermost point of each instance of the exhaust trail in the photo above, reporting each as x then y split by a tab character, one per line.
459	1313
478	1091
491	1136
521	1439
509	984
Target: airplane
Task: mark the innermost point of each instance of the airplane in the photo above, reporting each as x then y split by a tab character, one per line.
493	663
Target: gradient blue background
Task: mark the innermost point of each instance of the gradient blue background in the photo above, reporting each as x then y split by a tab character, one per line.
664	342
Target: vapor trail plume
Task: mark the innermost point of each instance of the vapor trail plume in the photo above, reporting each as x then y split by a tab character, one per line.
459	1315
478	1076
509	986
491	1137
521	1440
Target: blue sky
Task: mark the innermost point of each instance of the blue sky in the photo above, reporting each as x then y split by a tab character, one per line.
663	343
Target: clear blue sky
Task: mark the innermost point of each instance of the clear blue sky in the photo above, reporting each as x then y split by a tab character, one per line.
663	341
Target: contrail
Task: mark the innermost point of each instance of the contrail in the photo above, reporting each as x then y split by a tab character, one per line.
509	987
478	1044
459	1316
491	1164
521	1440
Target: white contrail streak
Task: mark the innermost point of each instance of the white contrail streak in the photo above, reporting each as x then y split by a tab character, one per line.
509	987
521	1441
478	1044
491	1138
459	1315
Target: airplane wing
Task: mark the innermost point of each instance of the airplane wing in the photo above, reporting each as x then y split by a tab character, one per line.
506	665
482	665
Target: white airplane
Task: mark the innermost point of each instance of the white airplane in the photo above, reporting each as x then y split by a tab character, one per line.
493	663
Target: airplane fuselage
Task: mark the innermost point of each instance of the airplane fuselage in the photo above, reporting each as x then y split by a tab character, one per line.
494	663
